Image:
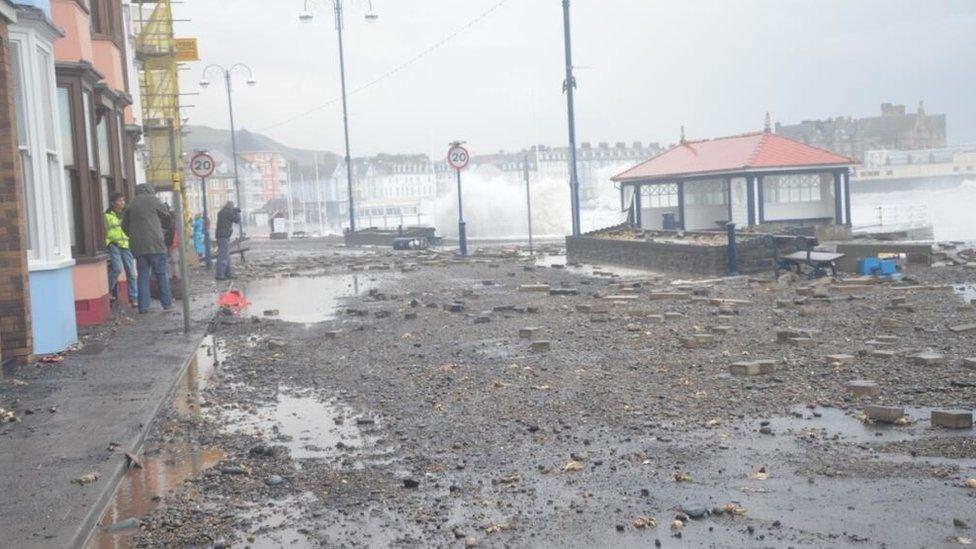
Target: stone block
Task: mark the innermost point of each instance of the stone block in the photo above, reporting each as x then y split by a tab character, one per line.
330	335
672	315
534	288
892	324
410	316
803	341
766	366
563	291
621	298
840	359
969	363
963	328
929	358
541	346
878	343
744	369
884	414
721	329
785	304
655	319
882	353
529	332
659	296
599	317
482	319
887	338
863	388
952	419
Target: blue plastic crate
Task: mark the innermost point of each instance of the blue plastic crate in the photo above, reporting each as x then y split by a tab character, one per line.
878	267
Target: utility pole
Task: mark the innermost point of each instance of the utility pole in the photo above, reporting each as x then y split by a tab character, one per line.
528	196
569	86
178	211
345	116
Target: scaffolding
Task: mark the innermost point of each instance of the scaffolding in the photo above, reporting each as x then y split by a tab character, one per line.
159	86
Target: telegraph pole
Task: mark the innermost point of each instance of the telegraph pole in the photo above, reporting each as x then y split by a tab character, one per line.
178	207
569	86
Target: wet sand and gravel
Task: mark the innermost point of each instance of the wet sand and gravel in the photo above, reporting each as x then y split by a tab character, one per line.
377	399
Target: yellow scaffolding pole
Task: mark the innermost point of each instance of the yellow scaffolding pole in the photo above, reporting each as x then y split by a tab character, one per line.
159	86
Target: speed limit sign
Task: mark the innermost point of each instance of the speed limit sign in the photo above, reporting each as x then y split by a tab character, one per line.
202	165
458	157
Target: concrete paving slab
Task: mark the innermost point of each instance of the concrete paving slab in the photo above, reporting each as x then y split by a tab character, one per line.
109	392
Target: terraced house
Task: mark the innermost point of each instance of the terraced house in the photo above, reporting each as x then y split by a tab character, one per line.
72	144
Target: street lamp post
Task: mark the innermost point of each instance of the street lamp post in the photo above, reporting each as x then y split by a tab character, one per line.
227	72
569	86
306	17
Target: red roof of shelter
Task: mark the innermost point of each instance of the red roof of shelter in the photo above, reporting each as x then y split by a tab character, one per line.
754	151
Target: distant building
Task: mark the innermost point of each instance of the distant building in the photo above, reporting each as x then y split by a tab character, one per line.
271	182
893	130
552	163
886	169
389	190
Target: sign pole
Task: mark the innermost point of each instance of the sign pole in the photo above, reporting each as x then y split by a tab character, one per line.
462	232
206	225
458	157
202	165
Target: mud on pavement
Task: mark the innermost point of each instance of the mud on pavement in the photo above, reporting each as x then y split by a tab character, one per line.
376	400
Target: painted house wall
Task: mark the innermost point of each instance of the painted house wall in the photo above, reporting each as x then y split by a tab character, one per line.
76	44
107	59
53	310
43	5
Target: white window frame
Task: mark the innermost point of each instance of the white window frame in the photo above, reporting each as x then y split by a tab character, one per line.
50	214
792	188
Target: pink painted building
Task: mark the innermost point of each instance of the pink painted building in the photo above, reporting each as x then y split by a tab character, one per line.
98	137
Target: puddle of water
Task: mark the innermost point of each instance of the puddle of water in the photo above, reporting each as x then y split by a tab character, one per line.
966	291
279	526
608	271
142	489
306	300
308	427
836	424
208	356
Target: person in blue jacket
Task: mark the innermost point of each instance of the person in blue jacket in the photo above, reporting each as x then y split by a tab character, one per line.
198	235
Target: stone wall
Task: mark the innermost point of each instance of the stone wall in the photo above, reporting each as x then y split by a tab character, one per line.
16	339
754	253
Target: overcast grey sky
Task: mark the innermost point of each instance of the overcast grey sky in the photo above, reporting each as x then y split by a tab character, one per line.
645	67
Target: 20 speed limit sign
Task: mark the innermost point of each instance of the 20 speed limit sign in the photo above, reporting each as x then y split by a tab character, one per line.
202	165
458	157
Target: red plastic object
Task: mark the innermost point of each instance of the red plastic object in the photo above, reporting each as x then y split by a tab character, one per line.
234	300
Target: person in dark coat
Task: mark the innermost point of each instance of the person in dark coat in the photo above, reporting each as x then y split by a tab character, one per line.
143	221
226	218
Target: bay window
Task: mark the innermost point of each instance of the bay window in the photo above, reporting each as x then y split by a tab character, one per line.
36	105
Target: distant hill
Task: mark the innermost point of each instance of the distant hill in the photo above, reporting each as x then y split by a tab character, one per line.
217	140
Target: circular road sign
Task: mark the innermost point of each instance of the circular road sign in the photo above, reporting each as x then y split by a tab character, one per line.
458	157
202	165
